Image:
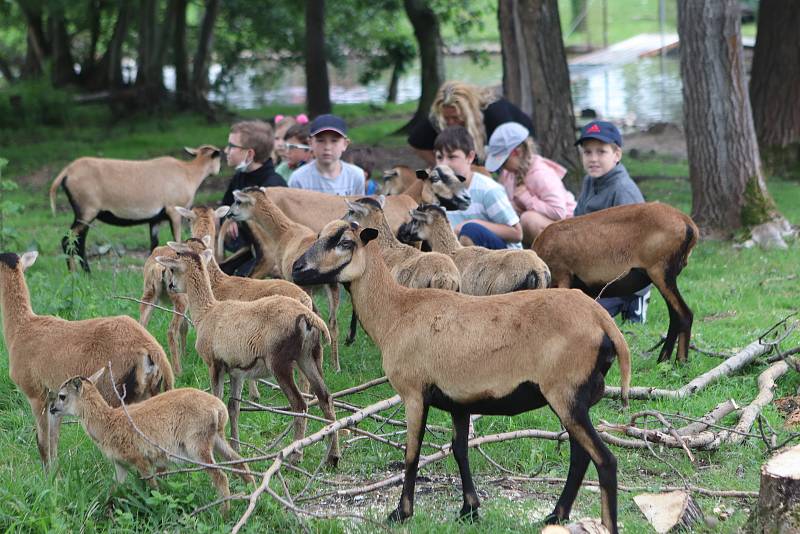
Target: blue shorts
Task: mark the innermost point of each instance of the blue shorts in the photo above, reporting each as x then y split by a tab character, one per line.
482	236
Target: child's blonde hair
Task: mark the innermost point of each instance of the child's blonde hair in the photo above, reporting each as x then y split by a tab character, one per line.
527	150
470	101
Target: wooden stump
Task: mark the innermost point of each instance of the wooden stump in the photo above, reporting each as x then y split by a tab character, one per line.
584	526
669	512
779	495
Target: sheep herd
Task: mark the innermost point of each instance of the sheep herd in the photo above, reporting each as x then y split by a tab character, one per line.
458	328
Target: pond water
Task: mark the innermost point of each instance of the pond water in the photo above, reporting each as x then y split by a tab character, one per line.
642	92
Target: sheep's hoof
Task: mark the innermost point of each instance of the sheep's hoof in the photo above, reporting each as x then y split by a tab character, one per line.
553	519
468	514
397	516
350	340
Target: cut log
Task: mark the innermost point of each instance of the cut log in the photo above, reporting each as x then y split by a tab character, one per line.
669	512
779	495
584	526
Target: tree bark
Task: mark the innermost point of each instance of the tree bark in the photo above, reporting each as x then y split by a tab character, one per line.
95	14
775	84
779	494
201	59
62	71
516	71
394	81
112	59
179	56
146	75
728	189
38	50
429	41
553	118
318	98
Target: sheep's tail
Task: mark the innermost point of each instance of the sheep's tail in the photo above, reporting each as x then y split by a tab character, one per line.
54	187
309	321
166	369
623	356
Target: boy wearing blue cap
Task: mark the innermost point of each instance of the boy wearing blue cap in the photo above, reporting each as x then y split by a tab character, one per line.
327	173
608	184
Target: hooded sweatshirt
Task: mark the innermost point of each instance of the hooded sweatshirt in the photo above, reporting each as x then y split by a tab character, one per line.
544	191
614	188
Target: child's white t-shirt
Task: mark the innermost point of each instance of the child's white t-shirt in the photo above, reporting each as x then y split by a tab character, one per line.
489	203
349	182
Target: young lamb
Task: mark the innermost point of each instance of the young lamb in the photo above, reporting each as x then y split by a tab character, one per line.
284	240
43	351
254	339
483	271
409	266
187	422
641	243
125	193
203	222
498	355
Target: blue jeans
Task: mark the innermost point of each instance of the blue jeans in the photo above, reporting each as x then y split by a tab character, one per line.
482	236
633	308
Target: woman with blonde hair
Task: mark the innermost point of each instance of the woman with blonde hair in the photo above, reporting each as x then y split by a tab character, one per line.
533	183
478	109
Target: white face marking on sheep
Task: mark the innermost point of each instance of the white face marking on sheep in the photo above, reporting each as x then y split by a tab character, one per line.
242	207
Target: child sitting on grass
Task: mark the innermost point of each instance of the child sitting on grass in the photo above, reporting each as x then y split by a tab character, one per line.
489	221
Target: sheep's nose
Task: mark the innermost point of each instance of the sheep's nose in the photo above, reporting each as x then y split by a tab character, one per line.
299	266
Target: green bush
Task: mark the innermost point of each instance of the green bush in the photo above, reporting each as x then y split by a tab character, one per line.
35	103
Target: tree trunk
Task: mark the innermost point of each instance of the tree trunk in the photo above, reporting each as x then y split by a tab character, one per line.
201	58
318	98
516	71
145	75
38	50
179	55
728	189
553	118
779	494
164	36
429	41
62	70
394	81
775	86
5	70
95	14
112	60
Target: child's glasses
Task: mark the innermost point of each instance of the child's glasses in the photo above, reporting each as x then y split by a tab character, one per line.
301	147
240	147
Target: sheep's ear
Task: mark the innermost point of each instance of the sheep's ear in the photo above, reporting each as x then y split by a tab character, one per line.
221	211
351	205
95	377
241	197
189	214
382	200
177	247
28	259
216	153
417	215
422	174
388	174
263	190
206	240
206	256
461	178
191	151
76	382
167	262
368	234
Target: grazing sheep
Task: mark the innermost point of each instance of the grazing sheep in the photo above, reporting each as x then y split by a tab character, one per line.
203	222
125	193
43	351
264	337
187	422
409	266
499	355
483	271
626	247
284	240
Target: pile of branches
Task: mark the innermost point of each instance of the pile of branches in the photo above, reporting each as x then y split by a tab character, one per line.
670	430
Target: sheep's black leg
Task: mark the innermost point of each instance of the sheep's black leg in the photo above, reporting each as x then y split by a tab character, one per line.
153	235
416	416
351	336
680	316
461	453
578	463
581	430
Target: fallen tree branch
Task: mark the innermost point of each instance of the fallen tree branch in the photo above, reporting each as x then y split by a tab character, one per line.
156	306
739	360
714	416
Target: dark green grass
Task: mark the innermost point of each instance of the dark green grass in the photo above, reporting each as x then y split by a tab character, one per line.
735	295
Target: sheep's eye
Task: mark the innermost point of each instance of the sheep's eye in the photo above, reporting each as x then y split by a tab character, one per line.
347	245
61	396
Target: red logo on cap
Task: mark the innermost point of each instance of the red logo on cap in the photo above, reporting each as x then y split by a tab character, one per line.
593	129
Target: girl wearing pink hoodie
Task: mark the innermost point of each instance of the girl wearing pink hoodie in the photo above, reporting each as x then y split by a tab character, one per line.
533	183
